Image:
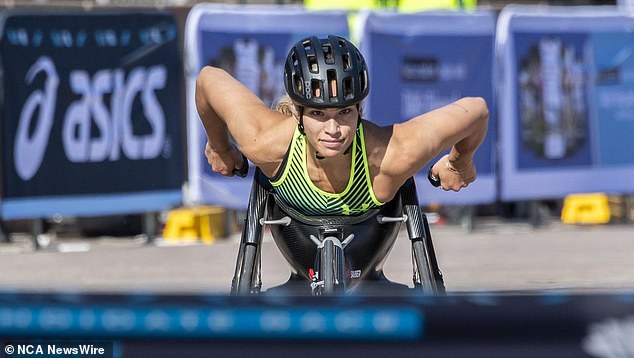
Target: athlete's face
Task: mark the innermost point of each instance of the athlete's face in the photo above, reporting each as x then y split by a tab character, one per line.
330	131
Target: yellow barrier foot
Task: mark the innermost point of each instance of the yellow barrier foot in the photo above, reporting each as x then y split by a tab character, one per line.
586	209
204	223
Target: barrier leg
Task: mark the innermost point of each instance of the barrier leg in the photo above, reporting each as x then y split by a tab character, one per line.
37	229
149	226
467	218
4	234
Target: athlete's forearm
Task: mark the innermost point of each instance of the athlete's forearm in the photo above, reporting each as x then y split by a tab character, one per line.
215	127
464	149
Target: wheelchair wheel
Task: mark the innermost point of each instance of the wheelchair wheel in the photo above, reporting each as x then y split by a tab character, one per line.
248	270
331	268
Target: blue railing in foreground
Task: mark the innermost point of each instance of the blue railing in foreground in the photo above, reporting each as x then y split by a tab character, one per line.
477	325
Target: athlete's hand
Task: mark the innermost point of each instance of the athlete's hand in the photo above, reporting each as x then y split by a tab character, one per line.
224	162
454	175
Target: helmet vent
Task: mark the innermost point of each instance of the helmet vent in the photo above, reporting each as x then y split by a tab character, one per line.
347	88
299	86
294	60
332	82
312	64
363	78
316	88
346	61
327	49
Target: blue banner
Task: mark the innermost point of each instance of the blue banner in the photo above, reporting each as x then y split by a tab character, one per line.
251	43
567	97
189	322
91	114
420	62
536	324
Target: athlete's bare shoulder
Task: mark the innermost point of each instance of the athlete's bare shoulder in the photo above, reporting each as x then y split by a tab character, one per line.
272	146
376	141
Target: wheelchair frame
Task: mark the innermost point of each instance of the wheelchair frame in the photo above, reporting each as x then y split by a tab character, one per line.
247	279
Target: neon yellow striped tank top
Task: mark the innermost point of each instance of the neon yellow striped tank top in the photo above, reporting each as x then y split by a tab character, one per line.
293	185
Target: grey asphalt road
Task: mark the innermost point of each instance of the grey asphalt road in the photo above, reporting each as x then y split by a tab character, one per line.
496	257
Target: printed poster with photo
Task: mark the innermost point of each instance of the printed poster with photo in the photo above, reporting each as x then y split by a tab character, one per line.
421	62
566	99
250	43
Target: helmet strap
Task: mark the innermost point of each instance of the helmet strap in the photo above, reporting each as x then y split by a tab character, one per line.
300	122
358	124
318	156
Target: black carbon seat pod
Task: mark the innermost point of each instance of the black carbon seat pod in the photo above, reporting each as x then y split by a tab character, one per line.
365	254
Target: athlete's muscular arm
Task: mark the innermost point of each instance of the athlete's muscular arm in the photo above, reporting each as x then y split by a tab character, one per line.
461	125
226	106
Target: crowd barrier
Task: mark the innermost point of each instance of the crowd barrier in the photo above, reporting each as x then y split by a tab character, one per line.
566	96
91	114
420	62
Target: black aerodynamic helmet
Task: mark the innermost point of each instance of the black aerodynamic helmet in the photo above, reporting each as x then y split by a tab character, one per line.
313	64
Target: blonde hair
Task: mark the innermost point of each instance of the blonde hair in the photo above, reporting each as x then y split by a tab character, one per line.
285	106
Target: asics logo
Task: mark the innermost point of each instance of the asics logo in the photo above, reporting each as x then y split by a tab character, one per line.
28	151
113	119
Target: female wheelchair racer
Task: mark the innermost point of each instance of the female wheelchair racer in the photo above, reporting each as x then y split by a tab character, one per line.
322	165
368	239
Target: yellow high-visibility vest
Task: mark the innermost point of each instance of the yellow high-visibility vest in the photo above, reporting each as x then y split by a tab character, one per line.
353	6
422	5
402	5
340	4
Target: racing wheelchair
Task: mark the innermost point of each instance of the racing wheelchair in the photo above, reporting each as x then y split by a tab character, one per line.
334	254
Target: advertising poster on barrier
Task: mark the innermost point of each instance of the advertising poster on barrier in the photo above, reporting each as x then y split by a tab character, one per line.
251	43
567	97
91	114
420	62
